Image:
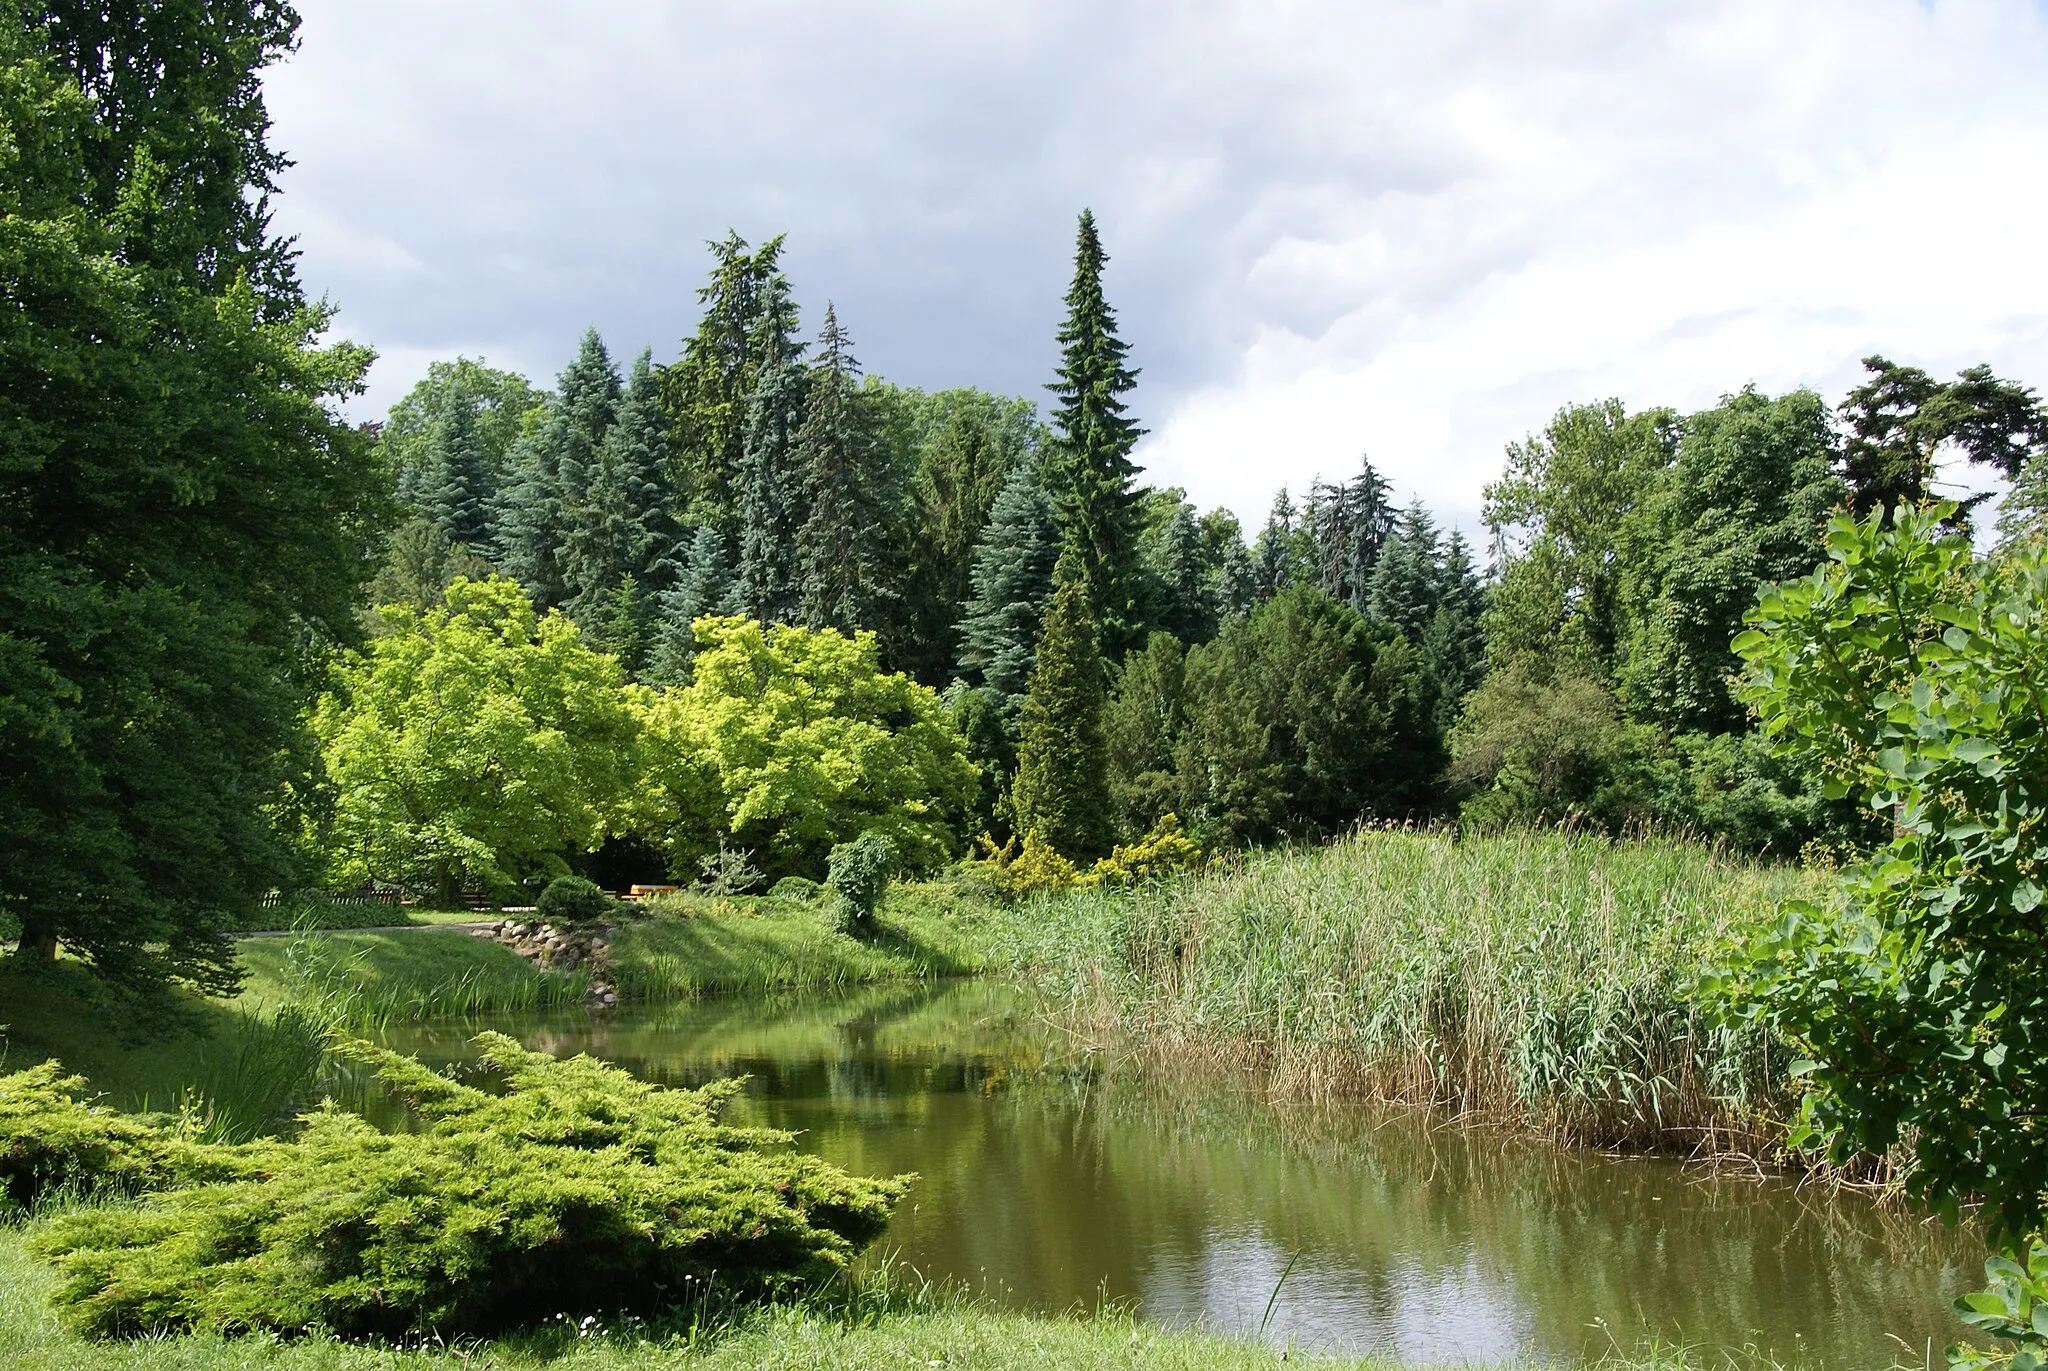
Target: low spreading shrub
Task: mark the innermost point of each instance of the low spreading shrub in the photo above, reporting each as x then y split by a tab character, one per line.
857	874
573	900
53	1138
567	1187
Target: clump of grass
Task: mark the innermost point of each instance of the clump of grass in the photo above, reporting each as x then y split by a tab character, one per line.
1543	978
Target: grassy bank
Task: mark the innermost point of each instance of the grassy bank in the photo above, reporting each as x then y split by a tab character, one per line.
367	979
1542	978
693	945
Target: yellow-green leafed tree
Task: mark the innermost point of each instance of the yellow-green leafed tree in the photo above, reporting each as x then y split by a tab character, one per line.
789	740
477	744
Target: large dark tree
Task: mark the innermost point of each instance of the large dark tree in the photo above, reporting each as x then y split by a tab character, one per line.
453	486
177	170
1061	791
1092	478
1900	418
184	519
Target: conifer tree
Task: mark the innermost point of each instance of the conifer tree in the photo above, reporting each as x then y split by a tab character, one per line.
1061	791
1275	557
748	325
772	502
851	487
1405	586
453	487
960	470
549	470
1092	479
700	583
1348	523
1453	645
1184	590
1012	580
620	528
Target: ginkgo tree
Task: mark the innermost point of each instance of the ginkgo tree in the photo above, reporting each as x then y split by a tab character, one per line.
789	740
479	745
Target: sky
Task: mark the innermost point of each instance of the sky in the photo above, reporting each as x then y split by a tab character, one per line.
1408	229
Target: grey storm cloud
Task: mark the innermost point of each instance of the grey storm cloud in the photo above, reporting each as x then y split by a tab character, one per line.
1414	228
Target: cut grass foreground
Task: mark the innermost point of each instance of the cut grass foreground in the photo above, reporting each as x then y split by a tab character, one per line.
875	1327
1534	978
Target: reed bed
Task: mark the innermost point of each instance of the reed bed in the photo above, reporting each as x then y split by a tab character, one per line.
1537	978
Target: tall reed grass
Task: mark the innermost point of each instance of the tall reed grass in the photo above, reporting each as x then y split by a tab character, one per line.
1543	978
363	982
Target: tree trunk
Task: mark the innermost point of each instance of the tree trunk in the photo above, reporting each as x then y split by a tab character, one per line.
38	940
446	893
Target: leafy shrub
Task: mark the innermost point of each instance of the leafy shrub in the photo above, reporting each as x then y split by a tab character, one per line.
2013	1306
857	874
1031	869
572	900
800	888
1162	852
572	1188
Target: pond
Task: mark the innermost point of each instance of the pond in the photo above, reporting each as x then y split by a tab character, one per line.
1050	1180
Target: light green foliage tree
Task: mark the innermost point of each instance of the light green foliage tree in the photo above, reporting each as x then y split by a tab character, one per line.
184	518
476	746
1142	724
1302	720
1091	477
1061	790
790	740
1915	678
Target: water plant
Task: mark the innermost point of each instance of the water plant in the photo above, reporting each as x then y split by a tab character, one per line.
1542	977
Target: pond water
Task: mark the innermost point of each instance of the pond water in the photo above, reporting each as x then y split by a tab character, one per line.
1050	1181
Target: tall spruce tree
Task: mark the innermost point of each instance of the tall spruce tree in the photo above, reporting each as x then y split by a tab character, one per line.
1348	523
851	487
1276	558
1061	791
620	528
549	470
1406	578
700	583
454	487
1012	582
1092	478
773	506
748	325
1183	581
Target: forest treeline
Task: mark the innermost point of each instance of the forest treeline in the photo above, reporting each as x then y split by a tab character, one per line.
1348	660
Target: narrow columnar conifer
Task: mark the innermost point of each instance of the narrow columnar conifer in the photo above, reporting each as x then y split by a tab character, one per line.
1092	479
850	484
1061	791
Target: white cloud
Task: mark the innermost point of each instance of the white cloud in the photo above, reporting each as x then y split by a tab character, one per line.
1410	228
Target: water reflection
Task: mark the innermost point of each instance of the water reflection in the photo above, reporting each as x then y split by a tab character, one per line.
1051	1181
